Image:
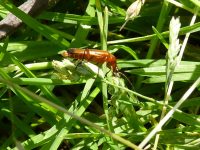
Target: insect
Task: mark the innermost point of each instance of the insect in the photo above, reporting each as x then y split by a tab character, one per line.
92	55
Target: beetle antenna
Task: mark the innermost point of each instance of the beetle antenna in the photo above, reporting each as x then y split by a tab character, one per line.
126	79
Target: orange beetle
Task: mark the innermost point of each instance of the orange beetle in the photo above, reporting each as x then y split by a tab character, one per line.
92	55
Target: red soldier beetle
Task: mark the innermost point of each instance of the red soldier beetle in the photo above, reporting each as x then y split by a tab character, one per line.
92	55
95	55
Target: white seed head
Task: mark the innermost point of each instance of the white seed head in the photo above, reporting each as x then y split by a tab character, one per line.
133	11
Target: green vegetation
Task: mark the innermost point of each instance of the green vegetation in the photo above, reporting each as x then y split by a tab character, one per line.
153	102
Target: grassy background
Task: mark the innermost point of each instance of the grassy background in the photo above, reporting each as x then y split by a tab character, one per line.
46	111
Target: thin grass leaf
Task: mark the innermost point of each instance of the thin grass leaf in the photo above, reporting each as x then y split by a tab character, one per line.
187	29
160	37
196	2
176	77
125	48
44	81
